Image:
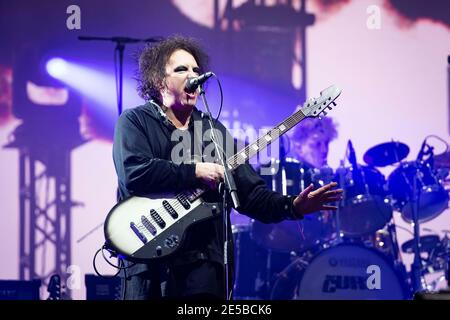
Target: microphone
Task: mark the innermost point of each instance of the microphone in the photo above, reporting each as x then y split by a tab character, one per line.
357	173
193	83
351	154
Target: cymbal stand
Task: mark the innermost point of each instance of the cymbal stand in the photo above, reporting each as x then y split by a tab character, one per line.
417	280
446	244
418	284
341	172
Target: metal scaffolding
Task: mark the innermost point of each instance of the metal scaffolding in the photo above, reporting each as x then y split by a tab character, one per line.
274	37
45	204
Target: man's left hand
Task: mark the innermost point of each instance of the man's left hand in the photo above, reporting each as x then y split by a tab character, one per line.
310	201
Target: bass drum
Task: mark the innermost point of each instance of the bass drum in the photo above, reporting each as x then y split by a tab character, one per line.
342	272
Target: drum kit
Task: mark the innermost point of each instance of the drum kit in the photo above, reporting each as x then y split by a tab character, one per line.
352	253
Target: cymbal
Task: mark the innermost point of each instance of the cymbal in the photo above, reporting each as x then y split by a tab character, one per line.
427	243
442	160
386	154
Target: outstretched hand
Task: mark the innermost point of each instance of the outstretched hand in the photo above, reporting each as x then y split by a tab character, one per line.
310	201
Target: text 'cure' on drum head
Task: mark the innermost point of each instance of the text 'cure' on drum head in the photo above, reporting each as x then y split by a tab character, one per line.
343	272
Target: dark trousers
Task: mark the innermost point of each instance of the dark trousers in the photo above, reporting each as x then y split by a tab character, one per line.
199	280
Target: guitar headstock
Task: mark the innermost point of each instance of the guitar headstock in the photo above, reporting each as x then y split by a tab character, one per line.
317	107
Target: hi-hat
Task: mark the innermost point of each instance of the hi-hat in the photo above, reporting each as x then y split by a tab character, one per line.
386	154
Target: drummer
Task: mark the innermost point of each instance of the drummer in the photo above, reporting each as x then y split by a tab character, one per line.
310	140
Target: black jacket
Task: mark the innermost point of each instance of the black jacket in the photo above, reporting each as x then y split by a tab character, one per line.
142	157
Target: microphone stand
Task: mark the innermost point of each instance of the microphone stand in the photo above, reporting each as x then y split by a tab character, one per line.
228	189
416	267
120	48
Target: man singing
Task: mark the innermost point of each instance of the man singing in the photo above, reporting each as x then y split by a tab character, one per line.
146	163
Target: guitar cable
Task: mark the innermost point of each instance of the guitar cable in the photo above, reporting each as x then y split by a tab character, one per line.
221	98
120	266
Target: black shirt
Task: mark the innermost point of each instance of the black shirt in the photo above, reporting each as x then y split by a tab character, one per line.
142	153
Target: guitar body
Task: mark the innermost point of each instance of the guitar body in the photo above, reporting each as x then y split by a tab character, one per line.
144	228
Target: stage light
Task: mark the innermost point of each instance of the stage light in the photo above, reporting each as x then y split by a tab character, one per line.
94	81
56	67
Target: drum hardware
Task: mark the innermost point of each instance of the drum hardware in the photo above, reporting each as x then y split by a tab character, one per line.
341	175
286	281
446	245
429	173
255	266
422	265
442	160
365	190
290	177
385	241
416	192
442	166
442	257
392	231
418	281
431	195
437	255
365	207
428	243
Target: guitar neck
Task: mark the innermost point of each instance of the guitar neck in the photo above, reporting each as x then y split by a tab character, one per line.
264	141
252	149
311	108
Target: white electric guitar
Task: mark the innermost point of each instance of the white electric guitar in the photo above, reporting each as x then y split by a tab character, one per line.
145	228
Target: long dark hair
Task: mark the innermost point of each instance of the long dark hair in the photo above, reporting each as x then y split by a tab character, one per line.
153	60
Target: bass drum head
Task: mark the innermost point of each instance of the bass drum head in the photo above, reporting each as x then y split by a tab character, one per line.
344	272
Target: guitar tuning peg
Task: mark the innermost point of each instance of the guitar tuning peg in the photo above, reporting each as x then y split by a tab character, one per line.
324	113
334	104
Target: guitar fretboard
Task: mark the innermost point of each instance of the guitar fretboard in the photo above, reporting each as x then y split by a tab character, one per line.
313	108
265	140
